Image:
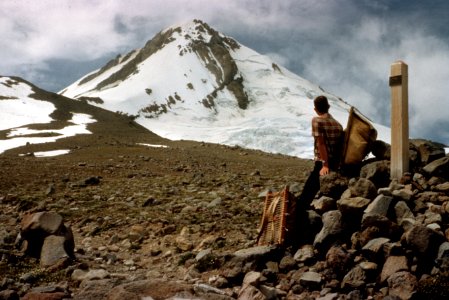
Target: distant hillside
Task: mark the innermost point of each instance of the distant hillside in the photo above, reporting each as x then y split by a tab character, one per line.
30	115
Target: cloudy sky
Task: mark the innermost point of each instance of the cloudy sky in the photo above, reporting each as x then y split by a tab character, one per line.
345	46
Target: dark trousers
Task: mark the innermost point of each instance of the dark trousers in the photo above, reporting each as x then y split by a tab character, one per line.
311	187
304	234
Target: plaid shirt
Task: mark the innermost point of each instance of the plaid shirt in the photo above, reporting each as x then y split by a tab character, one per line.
332	132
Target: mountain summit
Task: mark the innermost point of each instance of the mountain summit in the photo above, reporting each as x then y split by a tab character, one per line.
192	82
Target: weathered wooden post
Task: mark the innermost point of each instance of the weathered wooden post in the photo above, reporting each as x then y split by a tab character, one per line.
399	119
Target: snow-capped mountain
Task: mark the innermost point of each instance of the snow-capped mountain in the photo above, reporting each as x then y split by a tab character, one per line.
32	116
192	82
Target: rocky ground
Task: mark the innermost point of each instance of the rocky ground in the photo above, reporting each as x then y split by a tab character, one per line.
136	212
122	220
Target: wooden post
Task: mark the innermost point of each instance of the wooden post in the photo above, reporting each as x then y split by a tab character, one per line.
399	119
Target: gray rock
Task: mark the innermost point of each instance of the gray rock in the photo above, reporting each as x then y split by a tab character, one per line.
332	228
337	259
443	257
374	247
353	206
271	292
255	253
252	278
305	254
362	188
9	295
53	250
379	206
48	222
311	280
392	265
333	185
443	187
329	296
420	180
402	284
385	225
428	196
428	151
354	279
377	172
402	211
81	275
323	204
432	218
424	240
402	194
95	289
201	288
439	167
287	263
249	292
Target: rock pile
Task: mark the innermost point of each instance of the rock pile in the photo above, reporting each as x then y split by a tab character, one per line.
377	239
367	238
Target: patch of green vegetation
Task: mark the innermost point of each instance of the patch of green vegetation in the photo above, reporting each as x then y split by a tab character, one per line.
190	86
149	91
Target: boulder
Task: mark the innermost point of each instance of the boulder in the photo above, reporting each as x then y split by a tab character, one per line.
377	172
323	204
331	230
428	151
392	265
249	292
402	285
353	206
423	240
337	259
311	280
46	222
374	248
439	167
305	254
257	253
333	185
354	279
379	206
54	251
362	187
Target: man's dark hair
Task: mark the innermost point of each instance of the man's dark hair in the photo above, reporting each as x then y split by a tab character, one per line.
321	104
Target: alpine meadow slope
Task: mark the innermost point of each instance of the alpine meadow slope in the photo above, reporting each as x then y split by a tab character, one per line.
191	82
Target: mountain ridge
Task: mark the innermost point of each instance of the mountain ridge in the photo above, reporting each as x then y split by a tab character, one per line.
192	82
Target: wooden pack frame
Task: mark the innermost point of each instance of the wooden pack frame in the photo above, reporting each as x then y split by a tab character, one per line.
277	219
359	136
